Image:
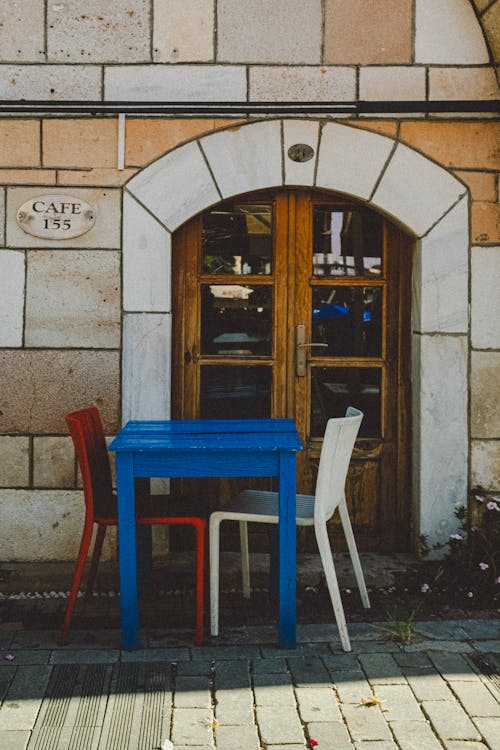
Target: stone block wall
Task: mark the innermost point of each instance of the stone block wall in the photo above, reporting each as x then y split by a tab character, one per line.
62	303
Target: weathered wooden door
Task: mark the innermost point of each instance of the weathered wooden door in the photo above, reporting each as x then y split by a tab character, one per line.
296	304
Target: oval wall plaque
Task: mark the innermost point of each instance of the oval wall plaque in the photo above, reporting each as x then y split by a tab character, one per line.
300	152
56	217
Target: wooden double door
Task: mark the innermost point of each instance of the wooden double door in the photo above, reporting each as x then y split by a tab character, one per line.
296	304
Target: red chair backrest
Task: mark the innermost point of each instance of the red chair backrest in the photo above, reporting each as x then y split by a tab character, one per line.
86	430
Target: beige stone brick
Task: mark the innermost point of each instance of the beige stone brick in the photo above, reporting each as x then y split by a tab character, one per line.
175	83
455	144
79	143
482	185
2	216
485	464
485	222
363	32
40	387
98	31
73	299
15	17
281	83
391	83
284	31
19	143
27	177
384	127
53	462
491	25
12	273
51	82
104	234
448	33
148	139
485	300
14	461
481	5
183	32
102	177
485	386
462	83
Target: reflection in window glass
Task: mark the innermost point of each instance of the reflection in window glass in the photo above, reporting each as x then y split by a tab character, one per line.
237	239
235	392
348	319
236	319
333	389
346	242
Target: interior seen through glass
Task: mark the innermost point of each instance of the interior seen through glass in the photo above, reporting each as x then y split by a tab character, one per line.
348	319
346	242
333	389
238	392
236	320
237	239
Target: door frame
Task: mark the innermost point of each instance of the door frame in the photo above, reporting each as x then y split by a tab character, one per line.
390	177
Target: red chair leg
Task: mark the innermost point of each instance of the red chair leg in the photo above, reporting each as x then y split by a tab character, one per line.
80	564
96	554
200	582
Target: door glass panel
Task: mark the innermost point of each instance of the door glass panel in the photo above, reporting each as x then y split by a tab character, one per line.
333	389
348	319
237	239
346	242
235	392
236	320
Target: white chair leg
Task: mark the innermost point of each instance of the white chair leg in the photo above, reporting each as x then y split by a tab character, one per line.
214	534
245	562
353	551
331	580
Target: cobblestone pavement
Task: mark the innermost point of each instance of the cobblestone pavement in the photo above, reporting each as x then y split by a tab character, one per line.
441	691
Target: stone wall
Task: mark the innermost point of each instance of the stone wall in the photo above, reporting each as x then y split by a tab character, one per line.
62	304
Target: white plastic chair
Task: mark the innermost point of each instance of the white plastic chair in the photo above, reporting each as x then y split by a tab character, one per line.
259	506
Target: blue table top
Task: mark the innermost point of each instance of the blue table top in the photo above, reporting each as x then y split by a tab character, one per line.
207	435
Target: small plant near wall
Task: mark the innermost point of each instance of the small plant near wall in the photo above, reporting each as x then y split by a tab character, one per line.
468	576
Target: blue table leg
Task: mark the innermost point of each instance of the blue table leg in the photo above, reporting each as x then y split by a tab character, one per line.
127	550
287	551
274	560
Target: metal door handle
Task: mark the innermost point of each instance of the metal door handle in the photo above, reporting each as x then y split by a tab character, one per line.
301	346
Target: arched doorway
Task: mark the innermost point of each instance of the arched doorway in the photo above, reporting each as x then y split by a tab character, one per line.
414	192
295	303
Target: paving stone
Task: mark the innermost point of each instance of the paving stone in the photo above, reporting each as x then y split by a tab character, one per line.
6	677
490	729
441	630
416	661
463	745
192	727
226	653
242	737
302	649
377	745
481	629
234	707
286	747
308	672
458	647
27	656
192	692
428	685
24	697
14	740
330	735
86	656
281	726
232	674
450	720
399	703
165	655
381	669
352	687
375	647
365	722
415	735
192	667
342	663
317	704
454	667
476	699
274	690
487	646
269	666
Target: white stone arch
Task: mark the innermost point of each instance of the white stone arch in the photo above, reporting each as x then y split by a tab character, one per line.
388	176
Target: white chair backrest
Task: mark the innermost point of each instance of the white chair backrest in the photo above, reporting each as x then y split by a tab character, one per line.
338	444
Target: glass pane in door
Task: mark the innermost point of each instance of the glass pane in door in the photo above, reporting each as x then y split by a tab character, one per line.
236	320
237	239
239	392
333	389
348	319
346	242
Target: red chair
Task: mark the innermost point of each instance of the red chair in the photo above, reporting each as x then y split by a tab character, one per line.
86	430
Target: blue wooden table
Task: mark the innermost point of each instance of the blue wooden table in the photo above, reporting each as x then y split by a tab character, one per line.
206	448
